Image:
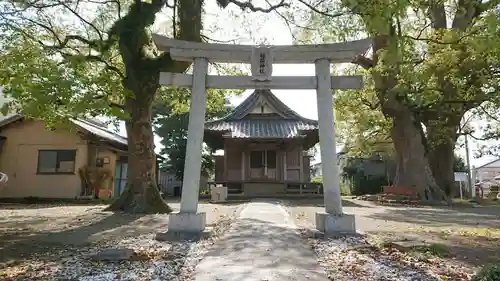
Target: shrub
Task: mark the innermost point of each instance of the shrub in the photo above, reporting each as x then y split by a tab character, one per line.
367	185
345	188
489	272
317	179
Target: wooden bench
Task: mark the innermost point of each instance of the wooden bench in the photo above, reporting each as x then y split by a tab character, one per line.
409	194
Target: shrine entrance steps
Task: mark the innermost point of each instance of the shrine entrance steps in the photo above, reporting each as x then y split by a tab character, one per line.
262	244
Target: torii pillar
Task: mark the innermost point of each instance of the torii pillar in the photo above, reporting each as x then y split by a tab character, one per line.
332	220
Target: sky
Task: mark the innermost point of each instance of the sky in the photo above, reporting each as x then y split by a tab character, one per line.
253	29
257	28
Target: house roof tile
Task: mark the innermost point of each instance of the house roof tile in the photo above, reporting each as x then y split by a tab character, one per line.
87	125
100	131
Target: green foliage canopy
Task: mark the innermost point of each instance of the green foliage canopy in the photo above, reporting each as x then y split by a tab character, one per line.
171	116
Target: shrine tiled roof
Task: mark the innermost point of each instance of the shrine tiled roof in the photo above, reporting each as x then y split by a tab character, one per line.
288	124
258	128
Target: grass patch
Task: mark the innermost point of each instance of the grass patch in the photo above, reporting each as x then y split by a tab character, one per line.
493	233
428	253
487	202
378	242
490	272
420	251
475	202
466	232
432	250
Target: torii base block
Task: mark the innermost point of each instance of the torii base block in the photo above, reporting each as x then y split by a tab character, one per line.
185	226
333	225
187	222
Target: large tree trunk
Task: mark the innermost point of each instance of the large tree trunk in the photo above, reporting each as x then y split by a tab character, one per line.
141	194
441	161
441	153
412	164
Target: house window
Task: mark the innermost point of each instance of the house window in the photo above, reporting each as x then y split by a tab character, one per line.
56	161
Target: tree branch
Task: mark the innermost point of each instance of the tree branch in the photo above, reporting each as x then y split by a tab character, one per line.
485	138
97	59
99	32
60	45
288	23
314	9
116	2
370	104
466	12
489	114
248	5
64	44
485	6
364	62
208	39
110	103
435	41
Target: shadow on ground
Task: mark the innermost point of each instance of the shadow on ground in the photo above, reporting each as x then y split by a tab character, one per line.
320	202
16	245
442	217
470	250
230	202
476	251
28	233
449	227
260	250
243	255
442	225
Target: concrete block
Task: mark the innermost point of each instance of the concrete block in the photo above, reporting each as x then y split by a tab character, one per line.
219	193
333	224
187	222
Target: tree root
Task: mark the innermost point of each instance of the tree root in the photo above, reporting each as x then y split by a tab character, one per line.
434	190
147	202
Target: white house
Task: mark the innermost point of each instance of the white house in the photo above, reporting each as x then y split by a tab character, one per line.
486	172
486	176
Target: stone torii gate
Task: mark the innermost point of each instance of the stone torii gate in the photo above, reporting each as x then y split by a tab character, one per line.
333	220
